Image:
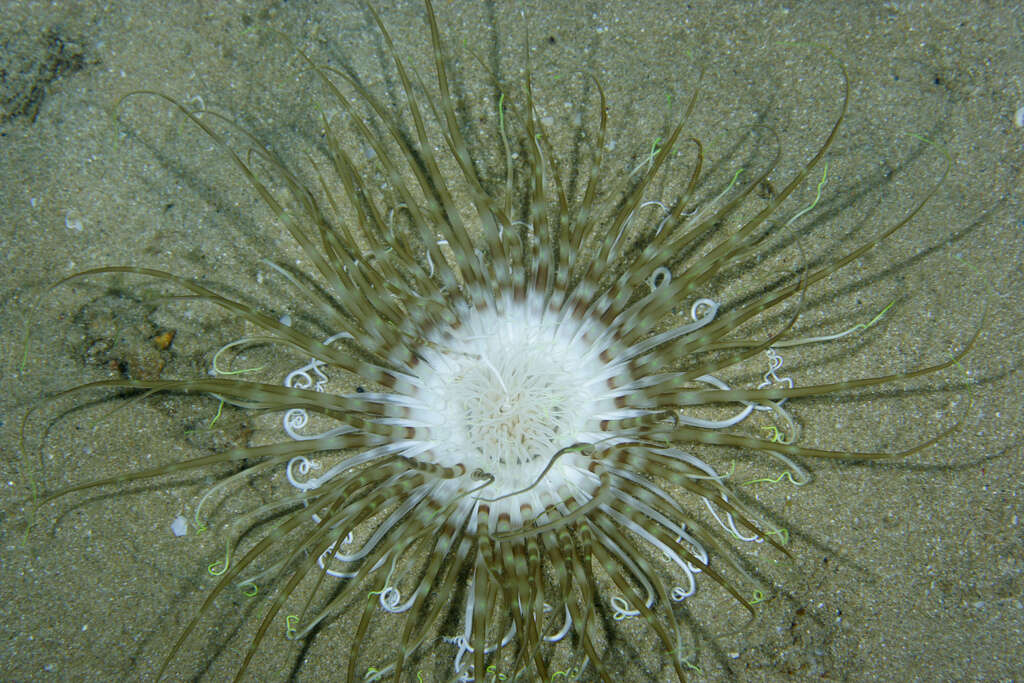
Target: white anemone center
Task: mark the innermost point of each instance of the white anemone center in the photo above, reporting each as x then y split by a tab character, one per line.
514	404
505	393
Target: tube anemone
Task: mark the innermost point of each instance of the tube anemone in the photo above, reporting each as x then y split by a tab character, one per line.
522	456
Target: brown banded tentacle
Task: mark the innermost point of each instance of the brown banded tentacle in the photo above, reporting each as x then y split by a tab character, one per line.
576	510
278	453
450	534
687	554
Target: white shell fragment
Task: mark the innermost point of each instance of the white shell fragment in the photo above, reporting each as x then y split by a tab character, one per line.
73	220
179	527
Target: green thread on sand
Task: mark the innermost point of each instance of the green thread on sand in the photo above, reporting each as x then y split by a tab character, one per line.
215	568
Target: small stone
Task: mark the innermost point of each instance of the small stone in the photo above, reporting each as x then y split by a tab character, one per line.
163	340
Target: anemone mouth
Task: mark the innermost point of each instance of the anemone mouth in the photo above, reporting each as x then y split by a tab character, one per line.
505	391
